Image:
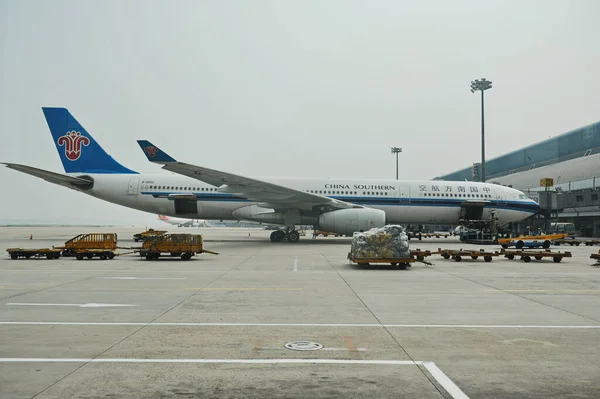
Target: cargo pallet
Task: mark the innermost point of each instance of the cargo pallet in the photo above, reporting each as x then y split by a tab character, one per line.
143	236
526	256
174	245
402	263
576	242
457	255
27	253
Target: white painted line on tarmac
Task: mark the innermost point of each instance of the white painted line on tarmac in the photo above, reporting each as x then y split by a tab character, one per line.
167	324
229	361
143	278
270	348
435	371
296	264
79	305
444	381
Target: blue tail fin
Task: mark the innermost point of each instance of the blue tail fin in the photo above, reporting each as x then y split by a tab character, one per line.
78	150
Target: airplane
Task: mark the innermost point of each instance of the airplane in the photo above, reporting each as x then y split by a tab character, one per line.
341	206
179	222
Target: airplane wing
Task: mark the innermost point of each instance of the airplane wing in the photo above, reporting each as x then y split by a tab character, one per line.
56	178
268	194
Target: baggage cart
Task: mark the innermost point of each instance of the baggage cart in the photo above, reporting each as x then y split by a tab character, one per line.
459	254
175	245
526	256
48	253
576	242
543	241
102	245
402	263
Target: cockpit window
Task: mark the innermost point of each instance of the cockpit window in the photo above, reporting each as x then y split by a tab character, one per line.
523	196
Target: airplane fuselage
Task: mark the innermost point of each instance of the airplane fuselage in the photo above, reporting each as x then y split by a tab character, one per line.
404	202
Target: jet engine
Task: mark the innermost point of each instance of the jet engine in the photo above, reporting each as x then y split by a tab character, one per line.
347	221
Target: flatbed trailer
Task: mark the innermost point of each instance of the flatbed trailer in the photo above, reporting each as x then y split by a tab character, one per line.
48	253
576	242
543	241
526	256
458	254
402	263
174	245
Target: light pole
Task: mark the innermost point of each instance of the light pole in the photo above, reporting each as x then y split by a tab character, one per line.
481	85
396	150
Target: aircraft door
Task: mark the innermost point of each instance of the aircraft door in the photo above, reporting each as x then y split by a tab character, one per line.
133	186
186	206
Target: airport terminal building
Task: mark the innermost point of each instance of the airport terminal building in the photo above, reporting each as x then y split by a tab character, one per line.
571	159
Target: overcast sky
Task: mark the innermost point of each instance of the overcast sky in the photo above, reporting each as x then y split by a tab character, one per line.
287	88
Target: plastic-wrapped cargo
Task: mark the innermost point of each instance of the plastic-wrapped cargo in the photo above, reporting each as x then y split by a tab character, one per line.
386	242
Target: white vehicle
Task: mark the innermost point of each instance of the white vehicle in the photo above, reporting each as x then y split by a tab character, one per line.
342	206
179	222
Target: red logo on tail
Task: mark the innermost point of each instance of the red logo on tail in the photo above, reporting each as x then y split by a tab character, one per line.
151	151
73	141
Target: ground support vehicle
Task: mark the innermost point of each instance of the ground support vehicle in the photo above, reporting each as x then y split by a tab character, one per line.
526	256
82	246
48	253
147	234
597	257
175	245
402	263
543	241
575	242
458	254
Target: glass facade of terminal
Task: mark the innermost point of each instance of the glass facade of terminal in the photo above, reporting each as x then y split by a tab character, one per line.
573	144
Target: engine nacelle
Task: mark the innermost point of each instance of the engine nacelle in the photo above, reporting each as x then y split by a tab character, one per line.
347	221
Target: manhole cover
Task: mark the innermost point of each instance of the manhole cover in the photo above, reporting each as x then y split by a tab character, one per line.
303	346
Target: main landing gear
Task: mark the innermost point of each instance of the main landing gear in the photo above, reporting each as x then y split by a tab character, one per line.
290	235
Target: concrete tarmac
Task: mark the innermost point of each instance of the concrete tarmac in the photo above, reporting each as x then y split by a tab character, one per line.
216	326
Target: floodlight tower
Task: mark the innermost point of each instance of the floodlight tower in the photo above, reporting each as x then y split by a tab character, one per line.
396	150
481	85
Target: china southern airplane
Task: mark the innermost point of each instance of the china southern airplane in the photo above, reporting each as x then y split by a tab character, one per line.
340	206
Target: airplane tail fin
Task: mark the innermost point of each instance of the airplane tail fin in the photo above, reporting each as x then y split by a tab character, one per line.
78	150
